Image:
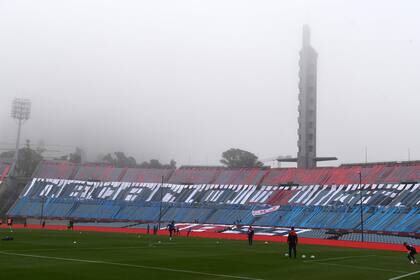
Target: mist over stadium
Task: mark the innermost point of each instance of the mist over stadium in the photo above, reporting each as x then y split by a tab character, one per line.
154	139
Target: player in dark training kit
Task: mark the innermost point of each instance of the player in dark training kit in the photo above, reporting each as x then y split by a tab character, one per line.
250	235
292	240
171	229
412	252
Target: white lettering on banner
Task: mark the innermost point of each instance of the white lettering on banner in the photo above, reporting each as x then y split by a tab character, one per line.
313	195
265	211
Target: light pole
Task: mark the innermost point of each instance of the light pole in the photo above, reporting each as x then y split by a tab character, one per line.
361	204
42	210
21	111
160	206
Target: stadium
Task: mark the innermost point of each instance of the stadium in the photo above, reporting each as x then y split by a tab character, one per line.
68	217
114	211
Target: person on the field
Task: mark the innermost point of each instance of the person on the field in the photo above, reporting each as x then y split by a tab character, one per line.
292	240
250	233
171	228
70	225
412	252
7	238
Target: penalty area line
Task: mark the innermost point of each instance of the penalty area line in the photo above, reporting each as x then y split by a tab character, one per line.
341	258
131	265
405	275
358	267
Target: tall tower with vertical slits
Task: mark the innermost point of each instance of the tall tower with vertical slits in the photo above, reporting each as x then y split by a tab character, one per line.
307	103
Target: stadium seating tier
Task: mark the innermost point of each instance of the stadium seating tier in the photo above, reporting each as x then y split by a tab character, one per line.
327	197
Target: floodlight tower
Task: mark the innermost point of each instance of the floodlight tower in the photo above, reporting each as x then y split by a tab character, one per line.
21	111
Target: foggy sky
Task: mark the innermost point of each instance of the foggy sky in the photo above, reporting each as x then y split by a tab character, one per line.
189	79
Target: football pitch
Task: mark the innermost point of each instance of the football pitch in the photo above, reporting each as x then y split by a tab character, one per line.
39	254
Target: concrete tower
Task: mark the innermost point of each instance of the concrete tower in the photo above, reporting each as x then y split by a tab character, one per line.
306	157
307	103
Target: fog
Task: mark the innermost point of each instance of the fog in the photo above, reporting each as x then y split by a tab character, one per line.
190	79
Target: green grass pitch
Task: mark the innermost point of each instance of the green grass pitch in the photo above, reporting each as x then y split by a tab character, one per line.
37	254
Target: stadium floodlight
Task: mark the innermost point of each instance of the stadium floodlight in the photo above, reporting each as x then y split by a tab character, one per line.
160	205
21	111
361	206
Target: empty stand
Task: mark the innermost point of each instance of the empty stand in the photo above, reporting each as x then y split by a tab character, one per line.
96	172
194	175
4	170
328	197
55	169
392	207
297	176
146	175
248	176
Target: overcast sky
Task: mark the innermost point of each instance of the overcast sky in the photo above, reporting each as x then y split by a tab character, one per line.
189	79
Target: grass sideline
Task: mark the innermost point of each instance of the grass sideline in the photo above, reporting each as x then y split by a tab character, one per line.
38	254
213	234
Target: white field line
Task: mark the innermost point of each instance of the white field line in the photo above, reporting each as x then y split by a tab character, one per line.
131	265
152	245
405	275
359	267
325	262
341	258
77	248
